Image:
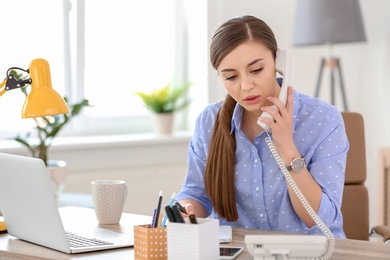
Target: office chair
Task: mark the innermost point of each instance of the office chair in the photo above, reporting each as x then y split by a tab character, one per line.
355	206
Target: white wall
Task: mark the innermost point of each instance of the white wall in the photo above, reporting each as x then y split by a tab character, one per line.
148	163
366	67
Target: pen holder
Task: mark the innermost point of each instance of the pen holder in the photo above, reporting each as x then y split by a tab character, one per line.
193	241
150	243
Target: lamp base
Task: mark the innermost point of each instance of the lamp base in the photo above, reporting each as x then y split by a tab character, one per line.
334	65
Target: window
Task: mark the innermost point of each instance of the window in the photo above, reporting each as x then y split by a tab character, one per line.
98	49
29	31
129	46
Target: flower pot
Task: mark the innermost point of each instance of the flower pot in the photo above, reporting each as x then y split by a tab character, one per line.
163	123
57	174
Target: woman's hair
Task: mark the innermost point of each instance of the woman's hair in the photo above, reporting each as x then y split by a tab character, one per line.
220	164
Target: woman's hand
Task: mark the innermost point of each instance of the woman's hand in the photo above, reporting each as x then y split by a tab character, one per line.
193	207
282	125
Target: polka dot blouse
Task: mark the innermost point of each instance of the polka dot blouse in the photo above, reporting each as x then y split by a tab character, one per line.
262	198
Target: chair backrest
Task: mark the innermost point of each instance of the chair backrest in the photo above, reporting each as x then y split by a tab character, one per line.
355	199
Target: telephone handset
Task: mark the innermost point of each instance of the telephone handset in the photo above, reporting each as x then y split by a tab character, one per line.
284	65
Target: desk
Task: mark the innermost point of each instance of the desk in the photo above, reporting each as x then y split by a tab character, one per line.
12	248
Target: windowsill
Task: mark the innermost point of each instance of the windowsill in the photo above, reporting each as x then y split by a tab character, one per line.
88	142
93	153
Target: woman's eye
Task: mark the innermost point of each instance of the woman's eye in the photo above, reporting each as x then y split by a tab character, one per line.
257	70
231	77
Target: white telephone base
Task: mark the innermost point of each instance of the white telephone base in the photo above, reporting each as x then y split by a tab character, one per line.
275	247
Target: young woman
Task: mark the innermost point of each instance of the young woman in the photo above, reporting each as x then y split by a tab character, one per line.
232	174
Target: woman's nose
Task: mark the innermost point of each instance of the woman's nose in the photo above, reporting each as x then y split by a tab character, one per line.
246	83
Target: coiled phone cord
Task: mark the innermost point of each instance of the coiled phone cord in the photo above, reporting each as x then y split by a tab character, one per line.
301	197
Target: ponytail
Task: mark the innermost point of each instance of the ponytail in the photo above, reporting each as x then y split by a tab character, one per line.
220	164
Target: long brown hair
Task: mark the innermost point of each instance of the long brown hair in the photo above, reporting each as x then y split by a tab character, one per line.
220	164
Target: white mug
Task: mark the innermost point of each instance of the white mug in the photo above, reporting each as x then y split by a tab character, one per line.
109	197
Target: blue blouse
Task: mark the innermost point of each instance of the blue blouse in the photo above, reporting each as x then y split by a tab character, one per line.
262	198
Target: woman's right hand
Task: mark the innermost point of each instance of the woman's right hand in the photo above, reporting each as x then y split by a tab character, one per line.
190	209
193	207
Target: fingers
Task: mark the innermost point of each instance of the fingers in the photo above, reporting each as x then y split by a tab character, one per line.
198	208
279	104
189	209
289	101
279	110
191	213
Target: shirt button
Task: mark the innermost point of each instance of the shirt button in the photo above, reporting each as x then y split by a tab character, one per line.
261	215
257	188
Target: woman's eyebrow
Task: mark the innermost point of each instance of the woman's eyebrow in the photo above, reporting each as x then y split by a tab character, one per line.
249	64
255	61
227	70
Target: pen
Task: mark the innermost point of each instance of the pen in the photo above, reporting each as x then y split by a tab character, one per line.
158	209
153	218
171	201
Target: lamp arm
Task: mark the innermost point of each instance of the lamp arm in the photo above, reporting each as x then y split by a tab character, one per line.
2	88
10	82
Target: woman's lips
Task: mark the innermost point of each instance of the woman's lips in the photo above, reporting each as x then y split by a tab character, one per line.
252	99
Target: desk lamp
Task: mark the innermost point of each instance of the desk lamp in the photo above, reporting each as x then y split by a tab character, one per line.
328	22
43	100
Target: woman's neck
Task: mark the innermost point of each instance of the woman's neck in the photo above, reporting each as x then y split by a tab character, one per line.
249	125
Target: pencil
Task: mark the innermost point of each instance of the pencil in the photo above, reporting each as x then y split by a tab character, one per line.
158	209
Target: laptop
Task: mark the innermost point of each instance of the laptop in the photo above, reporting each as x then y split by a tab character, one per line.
31	213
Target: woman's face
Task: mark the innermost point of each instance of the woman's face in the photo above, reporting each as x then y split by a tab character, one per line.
248	74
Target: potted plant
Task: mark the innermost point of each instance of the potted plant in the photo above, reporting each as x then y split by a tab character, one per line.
163	102
46	129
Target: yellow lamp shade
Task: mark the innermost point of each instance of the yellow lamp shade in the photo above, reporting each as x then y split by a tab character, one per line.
43	100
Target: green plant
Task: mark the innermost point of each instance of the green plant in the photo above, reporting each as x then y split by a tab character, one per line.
166	99
47	128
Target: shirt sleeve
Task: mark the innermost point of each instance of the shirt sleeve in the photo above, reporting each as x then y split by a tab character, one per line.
327	166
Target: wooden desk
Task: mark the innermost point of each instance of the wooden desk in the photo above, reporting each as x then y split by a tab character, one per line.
13	248
73	216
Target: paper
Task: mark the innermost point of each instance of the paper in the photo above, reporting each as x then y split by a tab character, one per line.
225	234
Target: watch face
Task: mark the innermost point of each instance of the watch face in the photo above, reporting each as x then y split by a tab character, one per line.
297	165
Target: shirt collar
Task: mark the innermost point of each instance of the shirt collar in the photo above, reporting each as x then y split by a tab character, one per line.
236	118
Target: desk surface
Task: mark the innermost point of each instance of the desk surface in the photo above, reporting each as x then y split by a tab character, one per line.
14	248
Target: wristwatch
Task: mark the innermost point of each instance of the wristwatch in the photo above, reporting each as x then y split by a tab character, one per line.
296	165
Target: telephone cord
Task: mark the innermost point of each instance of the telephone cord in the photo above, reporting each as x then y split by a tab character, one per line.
303	200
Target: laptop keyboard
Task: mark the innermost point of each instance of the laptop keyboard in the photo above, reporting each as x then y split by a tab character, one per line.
79	241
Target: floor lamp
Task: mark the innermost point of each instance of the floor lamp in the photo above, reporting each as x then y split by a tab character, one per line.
329	22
